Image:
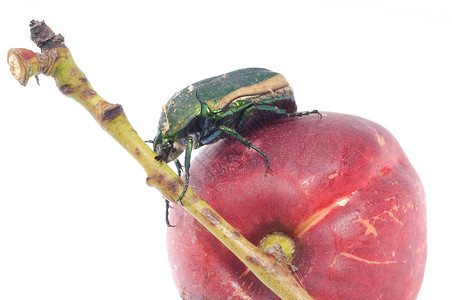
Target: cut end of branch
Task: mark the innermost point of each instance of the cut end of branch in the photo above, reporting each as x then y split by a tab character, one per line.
23	64
14	66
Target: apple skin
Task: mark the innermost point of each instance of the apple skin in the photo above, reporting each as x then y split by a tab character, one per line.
342	188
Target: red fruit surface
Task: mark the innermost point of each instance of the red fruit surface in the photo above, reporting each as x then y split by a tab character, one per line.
342	188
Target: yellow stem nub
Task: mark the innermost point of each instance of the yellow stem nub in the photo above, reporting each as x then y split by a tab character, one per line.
279	245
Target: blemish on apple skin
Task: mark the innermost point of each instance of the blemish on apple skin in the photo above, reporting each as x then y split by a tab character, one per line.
198	226
370	229
380	139
390	198
331	265
240	294
343	201
207	279
251	284
319	215
244	273
421	249
385	170
390	214
371	262
333	175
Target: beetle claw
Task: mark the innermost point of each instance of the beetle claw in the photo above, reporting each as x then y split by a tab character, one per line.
269	169
179	200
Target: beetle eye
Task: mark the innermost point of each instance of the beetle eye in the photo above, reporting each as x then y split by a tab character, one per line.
167	145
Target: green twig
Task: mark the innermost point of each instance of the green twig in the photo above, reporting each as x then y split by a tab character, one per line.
56	61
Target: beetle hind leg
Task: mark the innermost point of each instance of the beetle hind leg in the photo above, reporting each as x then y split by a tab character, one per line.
304	113
283	113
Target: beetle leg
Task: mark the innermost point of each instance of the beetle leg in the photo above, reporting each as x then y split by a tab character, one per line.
167	203
168	206
282	112
188	150
271	108
178	166
304	113
247	143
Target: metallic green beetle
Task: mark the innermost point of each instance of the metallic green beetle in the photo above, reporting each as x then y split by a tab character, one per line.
219	106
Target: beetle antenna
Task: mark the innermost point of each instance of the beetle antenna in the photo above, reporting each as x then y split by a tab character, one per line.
149	142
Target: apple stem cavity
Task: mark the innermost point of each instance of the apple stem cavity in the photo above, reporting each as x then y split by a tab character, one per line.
56	61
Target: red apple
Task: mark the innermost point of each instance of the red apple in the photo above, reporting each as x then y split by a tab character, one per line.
342	188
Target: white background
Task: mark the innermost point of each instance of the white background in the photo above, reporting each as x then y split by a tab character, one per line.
77	220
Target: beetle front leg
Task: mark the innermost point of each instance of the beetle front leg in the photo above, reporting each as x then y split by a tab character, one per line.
167	206
178	167
247	143
167	203
188	150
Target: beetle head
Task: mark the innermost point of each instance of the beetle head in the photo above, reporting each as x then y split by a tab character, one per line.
166	148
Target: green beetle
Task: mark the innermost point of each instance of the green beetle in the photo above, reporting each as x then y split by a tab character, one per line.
220	106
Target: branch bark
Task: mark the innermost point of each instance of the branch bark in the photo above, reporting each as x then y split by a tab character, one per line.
56	61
